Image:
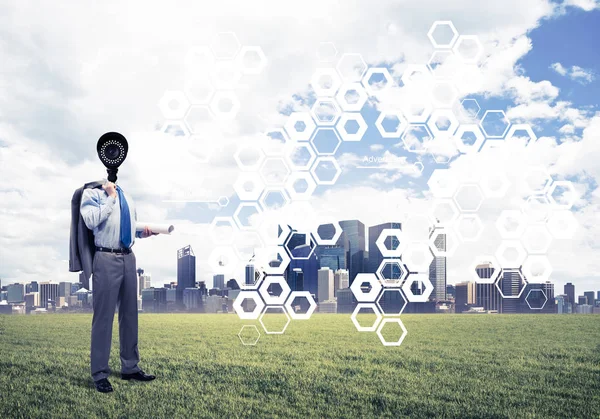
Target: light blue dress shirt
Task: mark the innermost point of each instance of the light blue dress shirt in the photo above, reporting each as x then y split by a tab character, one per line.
102	214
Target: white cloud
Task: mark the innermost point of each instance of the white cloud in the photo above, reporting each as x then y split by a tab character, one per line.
576	73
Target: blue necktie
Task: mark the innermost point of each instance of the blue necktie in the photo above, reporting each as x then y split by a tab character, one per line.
125	220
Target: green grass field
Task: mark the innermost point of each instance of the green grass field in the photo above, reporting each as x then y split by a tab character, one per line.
449	365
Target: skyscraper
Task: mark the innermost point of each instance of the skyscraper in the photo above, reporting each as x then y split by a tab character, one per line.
590	297
64	289
375	256
332	257
295	280
465	295
531	298
488	297
154	300
437	270
144	281
32	287
250	275
15	293
355	244
325	290
192	299
341	280
309	265
569	291
511	283
219	281
186	271
48	292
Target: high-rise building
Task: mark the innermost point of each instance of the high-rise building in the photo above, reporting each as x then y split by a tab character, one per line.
354	242
437	270
562	305
219	281
325	288
598	295
450	291
75	287
232	284
590	297
341	280
144	281
48	292
332	257
511	283
32	299
64	289
375	258
192	299
582	300
154	300
465	295
186	271
295	280
569	291
306	260
345	300
32	287
249	275
488	297
15	293
538	297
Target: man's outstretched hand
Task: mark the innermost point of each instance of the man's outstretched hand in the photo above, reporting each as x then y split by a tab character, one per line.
147	232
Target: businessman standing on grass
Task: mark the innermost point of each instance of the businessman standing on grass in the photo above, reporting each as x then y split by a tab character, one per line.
110	213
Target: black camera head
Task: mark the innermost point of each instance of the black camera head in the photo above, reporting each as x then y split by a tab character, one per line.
112	150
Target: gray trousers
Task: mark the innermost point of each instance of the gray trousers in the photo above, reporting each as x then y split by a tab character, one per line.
114	282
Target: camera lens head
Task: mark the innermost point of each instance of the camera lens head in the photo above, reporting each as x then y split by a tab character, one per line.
112	149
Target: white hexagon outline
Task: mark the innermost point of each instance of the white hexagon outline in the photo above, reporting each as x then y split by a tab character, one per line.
261	55
449	250
441	191
473	100
483	119
332	129
327	58
565	184
415	68
359	294
377	70
514	214
391	253
439	103
351	107
408	129
543	293
354	78
220	68
380	296
417	119
522	127
475	130
268	238
464	185
303	117
274	158
194	99
478	221
505	263
235	105
167	97
292	146
336	115
281	189
274	300
312	305
357	309
225	57
296	176
548	179
434	27
190	127
236	214
278	149
274	270
213	226
422	298
501	276
252	295
462	38
333	161
529	216
482	259
527	268
407	257
257	182
402	124
227	251
392	283
488	192
541	228
351	116
279	307
556	228
311	239
452	204
249	168
335	78
248	326
442	113
438	76
391	320
333	240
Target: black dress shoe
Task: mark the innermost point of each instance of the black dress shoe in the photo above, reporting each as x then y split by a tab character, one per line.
140	376
103	386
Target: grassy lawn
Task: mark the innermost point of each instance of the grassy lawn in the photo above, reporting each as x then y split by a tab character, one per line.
448	365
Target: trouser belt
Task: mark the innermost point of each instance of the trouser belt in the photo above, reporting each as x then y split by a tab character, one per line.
109	250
